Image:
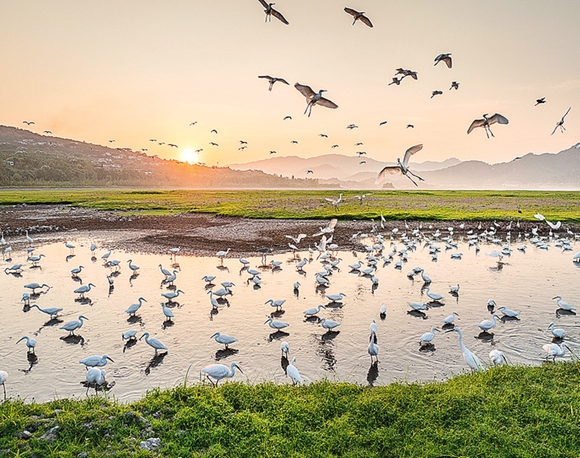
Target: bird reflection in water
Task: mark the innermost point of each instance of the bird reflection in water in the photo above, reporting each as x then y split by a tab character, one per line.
373	373
154	362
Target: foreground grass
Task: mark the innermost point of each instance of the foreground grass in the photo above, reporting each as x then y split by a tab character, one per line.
395	205
507	411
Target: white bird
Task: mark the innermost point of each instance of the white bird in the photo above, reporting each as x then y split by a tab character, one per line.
293	373
26	299
15	269
359	16
224	339
314	98
70	246
76	271
220	371
172	295
153	342
329	325
95	360
454	290
167	312
554	350
164	271
424	277
444	58
508	312
434	296
335	297
497	357
450	319
313	311
373	348
3	378
470	358
272	12
28	238
418	306
72	326
278	325
487	121
134	307
428	337
383	311
486	325
132	266
222	255
557	333
560	123
373	327
208	279
272	80
30	343
278	303
401	167
52	312
106	255
95	376
82	290
130	334
563	305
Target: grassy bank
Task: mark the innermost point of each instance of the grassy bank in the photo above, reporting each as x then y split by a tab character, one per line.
395	205
507	411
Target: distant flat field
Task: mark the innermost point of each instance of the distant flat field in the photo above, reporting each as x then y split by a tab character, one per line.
394	205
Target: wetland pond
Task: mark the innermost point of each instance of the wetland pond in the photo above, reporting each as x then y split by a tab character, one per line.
526	282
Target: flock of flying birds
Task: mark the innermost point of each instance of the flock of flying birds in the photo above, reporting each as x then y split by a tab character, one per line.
381	251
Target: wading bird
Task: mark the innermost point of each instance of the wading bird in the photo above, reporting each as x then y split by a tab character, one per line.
470	358
273	79
72	326
497	357
220	371
30	343
95	360
487	121
224	339
95	376
560	123
358	16
402	167
314	98
272	12
557	333
52	312
153	342
3	378
293	373
563	305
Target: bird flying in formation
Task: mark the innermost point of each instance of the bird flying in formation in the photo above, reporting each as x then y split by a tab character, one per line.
540	101
454	85
287	117
445	58
560	123
359	16
273	79
487	121
314	98
272	12
434	93
401	167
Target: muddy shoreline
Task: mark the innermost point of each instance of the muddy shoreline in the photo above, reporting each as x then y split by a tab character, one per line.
205	234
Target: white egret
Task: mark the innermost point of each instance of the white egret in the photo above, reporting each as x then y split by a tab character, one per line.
26	299
424	277
373	327
72	326
171	278
170	296
167	312
95	376
220	371
3	378
35	286
314	98
272	80
401	167
70	246
222	255
554	350
487	121
335	297
560	123
563	305
373	348
497	357
418	306
358	16
470	358
15	269
133	267
52	312
329	325
486	325
105	257
313	311
153	342
224	339
276	303
30	343
35	259
293	373
28	238
508	312
383	311
434	296
557	333
278	325
95	360
450	319
428	337
272	12
285	348
82	290
76	271
130	334
454	290
164	271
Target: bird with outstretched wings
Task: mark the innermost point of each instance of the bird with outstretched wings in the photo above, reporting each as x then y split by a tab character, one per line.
314	98
401	167
358	16
487	121
272	12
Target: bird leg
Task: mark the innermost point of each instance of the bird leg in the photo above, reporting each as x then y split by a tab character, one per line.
416	176
411	180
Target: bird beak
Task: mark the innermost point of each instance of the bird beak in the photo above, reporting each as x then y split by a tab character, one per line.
110	359
554	297
141	336
213	335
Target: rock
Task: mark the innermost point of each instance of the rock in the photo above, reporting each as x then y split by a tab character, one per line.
153	443
51	434
24	435
83	455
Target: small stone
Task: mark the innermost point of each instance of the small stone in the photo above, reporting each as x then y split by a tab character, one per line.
24	434
150	444
82	455
51	434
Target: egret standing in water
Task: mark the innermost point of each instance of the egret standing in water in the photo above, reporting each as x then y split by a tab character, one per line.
224	339
373	348
554	350
497	357
134	307
3	378
30	343
82	290
557	333
486	325
329	325
277	325
220	371
52	312
563	305
401	167
95	376
470	358
314	98
153	342
72	326
95	360
428	337
293	373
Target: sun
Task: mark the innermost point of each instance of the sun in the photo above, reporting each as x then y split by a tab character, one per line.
188	155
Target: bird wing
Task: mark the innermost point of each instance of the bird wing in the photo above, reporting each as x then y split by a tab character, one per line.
264	4
326	103
352	12
332	223
388	170
500	119
568	111
476	123
412	150
366	21
279	16
306	91
539	216
282	80
448	61
266	76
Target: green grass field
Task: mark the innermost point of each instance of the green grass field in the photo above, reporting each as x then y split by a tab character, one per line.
395	205
503	412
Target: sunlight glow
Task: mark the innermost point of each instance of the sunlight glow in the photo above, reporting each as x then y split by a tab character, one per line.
188	155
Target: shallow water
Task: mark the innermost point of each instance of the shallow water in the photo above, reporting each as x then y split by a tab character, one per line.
526	283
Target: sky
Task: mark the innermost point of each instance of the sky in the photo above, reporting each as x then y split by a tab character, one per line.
135	70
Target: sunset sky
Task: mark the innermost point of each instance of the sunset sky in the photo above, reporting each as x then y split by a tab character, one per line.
133	70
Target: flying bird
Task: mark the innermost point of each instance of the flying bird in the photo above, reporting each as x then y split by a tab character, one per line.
287	117
272	12
314	98
434	93
28	123
540	101
323	135
454	85
395	80
213	144
382	123
410	126
360	16
402	167
560	123
445	58
213	131
273	79
487	121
